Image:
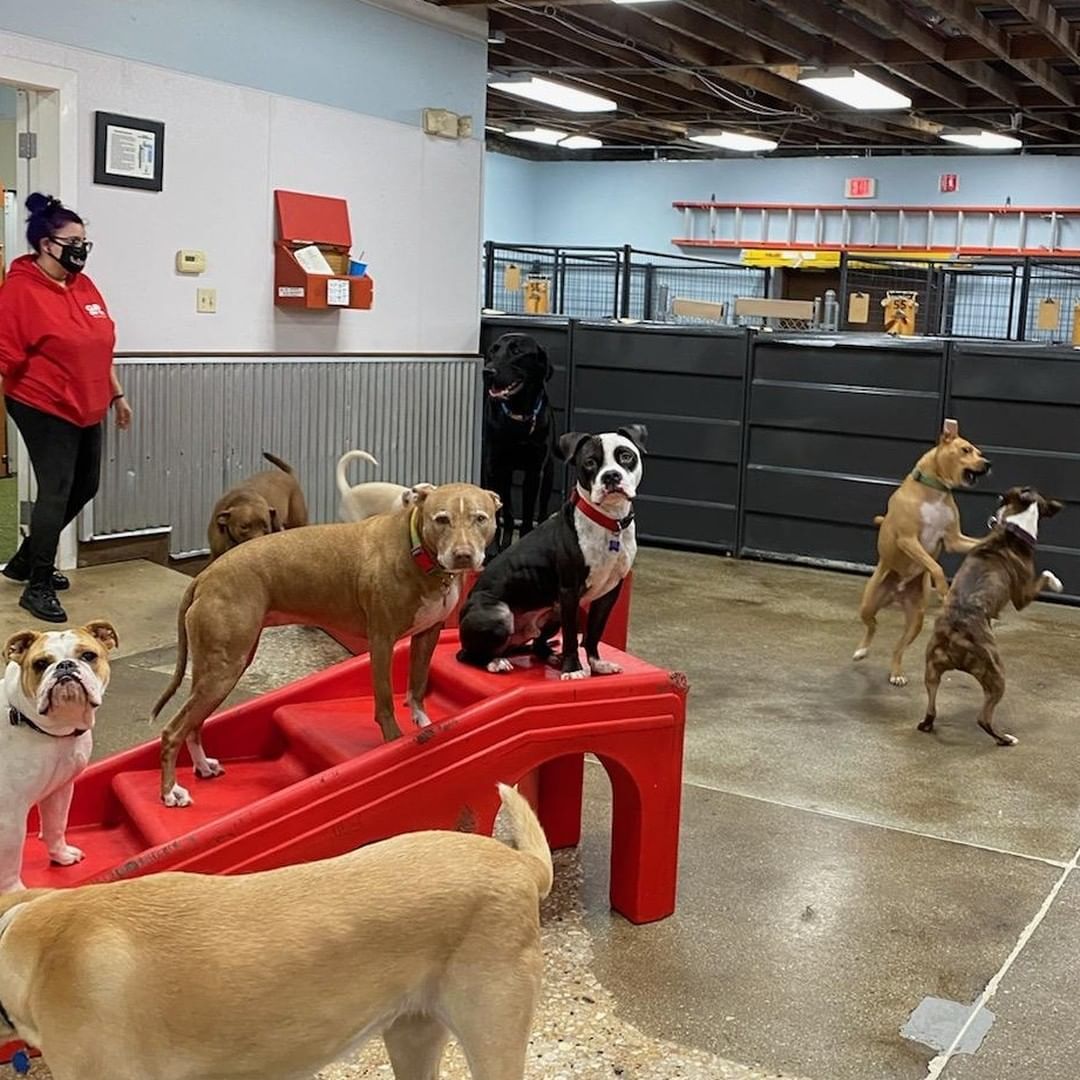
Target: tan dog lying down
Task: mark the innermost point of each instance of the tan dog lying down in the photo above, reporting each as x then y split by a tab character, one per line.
267	502
170	977
921	519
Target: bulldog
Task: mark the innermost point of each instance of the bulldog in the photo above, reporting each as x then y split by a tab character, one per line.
52	688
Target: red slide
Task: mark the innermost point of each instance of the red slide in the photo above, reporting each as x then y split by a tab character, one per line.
308	776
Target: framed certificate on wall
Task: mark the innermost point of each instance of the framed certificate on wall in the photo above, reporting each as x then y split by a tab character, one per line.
128	152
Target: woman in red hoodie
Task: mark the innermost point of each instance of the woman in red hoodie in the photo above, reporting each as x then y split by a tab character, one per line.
56	361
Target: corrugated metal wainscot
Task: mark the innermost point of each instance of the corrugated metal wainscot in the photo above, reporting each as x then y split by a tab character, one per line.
201	424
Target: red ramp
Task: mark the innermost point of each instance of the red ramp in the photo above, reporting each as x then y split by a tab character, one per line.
308	777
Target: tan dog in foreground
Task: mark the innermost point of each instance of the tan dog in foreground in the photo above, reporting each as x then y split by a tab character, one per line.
264	503
389	577
170	977
361	501
921	519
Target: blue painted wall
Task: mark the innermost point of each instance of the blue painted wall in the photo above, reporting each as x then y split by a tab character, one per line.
609	203
335	52
510	199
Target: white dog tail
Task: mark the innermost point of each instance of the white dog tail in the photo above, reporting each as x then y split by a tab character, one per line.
528	836
343	468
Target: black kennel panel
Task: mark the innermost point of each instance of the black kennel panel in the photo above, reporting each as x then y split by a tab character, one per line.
553	334
687	385
834	424
1021	405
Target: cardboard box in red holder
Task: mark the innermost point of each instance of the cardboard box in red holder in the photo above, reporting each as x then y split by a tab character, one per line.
303	221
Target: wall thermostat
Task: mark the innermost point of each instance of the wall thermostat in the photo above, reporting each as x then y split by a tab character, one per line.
190	262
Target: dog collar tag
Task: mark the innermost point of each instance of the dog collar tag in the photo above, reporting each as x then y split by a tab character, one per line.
20	1062
613	544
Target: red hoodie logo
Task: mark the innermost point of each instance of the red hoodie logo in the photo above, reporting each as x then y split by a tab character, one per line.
96	311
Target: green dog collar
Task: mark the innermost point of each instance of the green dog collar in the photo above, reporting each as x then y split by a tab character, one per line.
930	481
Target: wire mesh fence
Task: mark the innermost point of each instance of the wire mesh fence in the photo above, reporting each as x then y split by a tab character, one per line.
991	298
606	283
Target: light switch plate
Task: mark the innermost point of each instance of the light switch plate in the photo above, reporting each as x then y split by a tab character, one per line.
206	301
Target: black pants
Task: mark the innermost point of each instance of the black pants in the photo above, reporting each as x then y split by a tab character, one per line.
67	464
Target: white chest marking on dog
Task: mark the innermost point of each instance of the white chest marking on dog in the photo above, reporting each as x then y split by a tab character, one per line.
434	609
606	567
936	517
1028	520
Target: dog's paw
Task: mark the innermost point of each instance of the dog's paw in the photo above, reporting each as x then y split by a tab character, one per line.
208	768
178	796
898	680
66	855
860	654
581	673
605	667
1052	582
500	666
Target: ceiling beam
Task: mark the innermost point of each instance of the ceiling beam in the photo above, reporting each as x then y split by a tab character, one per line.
759	23
828	22
891	17
964	15
1057	29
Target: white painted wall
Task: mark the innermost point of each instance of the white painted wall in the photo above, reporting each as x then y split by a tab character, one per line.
414	207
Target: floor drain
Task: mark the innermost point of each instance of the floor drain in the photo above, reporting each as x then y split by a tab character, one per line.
936	1023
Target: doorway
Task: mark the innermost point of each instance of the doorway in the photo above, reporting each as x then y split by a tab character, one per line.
38	152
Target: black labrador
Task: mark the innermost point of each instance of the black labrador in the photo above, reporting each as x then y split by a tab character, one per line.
519	431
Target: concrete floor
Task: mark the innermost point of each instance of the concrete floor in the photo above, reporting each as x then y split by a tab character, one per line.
837	866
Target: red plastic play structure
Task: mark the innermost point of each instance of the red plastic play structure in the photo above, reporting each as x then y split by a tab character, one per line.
308	776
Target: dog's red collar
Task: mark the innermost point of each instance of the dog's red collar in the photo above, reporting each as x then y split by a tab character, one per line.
19	719
613	525
420	554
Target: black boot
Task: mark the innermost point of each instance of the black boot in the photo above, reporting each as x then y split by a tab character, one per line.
20	571
39	598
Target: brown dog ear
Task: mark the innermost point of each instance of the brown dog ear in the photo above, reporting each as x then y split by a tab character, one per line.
19	644
1053	506
496	500
420	492
950	430
104	631
567	447
223	518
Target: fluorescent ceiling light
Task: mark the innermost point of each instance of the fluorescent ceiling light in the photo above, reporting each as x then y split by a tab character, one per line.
555	94
580	142
983	140
855	89
732	140
547	136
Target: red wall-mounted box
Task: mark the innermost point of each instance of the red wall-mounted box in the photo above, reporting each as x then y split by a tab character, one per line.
318	220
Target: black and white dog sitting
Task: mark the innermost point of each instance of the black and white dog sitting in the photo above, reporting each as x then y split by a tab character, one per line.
519	434
579	555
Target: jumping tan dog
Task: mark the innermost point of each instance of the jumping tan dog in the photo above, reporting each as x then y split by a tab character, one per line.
391	576
999	570
412	938
264	503
921	519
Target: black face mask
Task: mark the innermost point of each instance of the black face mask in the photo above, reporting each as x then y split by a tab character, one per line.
72	256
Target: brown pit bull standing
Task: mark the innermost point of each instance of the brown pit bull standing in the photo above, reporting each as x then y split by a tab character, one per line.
388	577
1001	568
921	519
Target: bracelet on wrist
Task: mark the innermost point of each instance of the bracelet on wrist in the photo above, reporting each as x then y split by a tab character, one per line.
116	398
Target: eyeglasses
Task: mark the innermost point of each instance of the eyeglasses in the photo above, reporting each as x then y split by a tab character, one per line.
67	241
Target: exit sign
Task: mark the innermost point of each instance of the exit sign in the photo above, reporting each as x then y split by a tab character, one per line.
860	187
948	182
